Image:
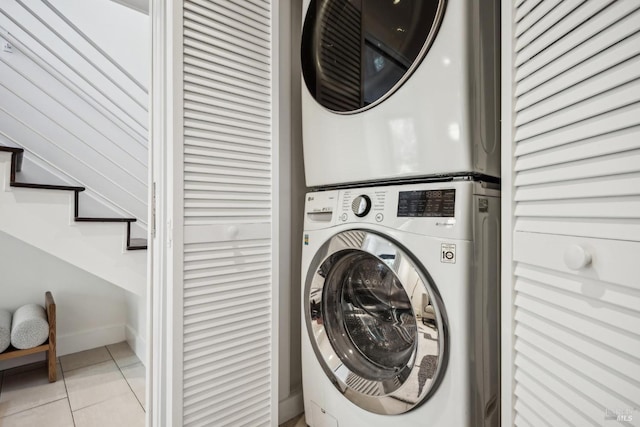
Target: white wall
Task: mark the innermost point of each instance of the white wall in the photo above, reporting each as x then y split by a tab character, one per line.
292	190
136	324
73	93
298	190
123	33
90	311
139	5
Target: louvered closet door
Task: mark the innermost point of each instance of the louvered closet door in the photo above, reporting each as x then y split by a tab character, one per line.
227	190
571	320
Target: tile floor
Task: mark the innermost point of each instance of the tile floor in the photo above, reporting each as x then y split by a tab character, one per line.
95	388
295	422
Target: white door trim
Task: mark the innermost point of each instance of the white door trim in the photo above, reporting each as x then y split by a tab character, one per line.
164	373
507	294
275	207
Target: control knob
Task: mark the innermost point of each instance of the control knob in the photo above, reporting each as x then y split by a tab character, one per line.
361	205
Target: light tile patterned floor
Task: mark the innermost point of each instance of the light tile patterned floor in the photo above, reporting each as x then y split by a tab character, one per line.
298	421
95	388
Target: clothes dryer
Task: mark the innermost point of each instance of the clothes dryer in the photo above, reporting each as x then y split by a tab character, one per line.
397	89
400	306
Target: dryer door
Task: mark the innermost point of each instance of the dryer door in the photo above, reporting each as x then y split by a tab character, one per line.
355	53
376	322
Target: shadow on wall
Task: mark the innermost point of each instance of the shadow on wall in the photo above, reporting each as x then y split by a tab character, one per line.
91	311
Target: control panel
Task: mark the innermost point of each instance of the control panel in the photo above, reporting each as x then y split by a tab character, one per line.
444	209
439	203
427	203
431	210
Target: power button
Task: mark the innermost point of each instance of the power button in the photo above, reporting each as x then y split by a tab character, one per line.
343	217
379	217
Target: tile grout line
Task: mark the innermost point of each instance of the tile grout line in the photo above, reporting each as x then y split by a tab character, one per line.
125	378
124	366
94	404
92	364
87	366
30	409
37	406
64	380
62	377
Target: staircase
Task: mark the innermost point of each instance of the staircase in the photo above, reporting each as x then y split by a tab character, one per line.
47	216
75	103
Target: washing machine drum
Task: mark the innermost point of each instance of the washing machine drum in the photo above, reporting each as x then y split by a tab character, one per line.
376	322
356	53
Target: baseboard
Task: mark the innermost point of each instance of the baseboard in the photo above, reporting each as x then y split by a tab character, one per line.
86	340
291	406
73	343
137	343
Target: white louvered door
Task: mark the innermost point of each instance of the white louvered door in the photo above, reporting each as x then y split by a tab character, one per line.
222	94
571	194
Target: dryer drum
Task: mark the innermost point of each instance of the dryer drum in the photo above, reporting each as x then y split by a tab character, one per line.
355	53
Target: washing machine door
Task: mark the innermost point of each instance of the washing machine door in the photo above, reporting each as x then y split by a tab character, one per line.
376	322
355	53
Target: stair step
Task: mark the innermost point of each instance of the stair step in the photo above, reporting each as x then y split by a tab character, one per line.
16	166
16	159
46	186
11	149
88	219
137	244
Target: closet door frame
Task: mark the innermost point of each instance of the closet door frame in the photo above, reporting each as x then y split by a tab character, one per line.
164	373
507	179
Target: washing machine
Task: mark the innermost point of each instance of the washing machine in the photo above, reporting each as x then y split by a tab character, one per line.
407	88
401	306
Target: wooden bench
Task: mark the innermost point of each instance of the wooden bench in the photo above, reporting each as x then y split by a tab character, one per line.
49	346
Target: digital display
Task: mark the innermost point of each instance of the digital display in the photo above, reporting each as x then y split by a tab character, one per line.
427	203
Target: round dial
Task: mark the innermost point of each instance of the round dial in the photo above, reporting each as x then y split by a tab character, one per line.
361	205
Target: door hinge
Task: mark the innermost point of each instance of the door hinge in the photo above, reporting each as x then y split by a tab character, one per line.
153	210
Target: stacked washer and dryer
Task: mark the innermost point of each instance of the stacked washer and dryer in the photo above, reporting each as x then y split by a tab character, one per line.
400	260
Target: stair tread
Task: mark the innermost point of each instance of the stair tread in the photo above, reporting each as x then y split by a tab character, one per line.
47	186
137	243
99	219
11	149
